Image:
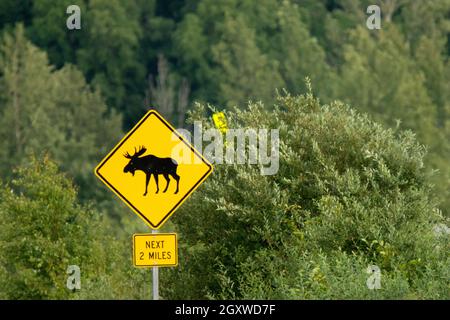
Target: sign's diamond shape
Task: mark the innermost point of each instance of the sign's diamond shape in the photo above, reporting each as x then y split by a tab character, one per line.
153	169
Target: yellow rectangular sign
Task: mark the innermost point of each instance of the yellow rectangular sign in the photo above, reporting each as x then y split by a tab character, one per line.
155	250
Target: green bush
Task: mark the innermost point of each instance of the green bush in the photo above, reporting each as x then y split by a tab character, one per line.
348	194
43	230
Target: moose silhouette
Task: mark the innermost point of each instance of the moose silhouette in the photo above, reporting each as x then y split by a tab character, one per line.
152	165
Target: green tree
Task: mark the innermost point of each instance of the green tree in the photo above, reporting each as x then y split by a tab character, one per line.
109	53
349	193
44	230
191	49
11	12
113	47
428	19
380	76
54	111
243	71
430	58
235	51
332	27
298	53
48	30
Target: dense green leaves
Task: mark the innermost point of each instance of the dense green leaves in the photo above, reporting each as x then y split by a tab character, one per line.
51	111
44	230
350	191
348	194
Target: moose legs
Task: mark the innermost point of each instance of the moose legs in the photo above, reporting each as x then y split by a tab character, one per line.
156	180
166	176
175	176
147	180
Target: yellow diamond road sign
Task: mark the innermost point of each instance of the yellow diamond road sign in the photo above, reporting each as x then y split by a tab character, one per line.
153	169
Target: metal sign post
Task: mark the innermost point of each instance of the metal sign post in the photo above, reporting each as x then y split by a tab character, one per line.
155	250
155	280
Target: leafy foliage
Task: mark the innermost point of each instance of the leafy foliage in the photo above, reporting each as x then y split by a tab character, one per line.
44	230
54	111
348	193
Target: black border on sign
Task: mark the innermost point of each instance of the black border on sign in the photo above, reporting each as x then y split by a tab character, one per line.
155	234
97	169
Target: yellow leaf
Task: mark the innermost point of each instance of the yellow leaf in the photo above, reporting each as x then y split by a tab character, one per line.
220	122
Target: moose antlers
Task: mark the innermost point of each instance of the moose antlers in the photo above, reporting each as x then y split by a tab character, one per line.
136	154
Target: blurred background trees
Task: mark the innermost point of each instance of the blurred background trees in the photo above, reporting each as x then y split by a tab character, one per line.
72	94
54	111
